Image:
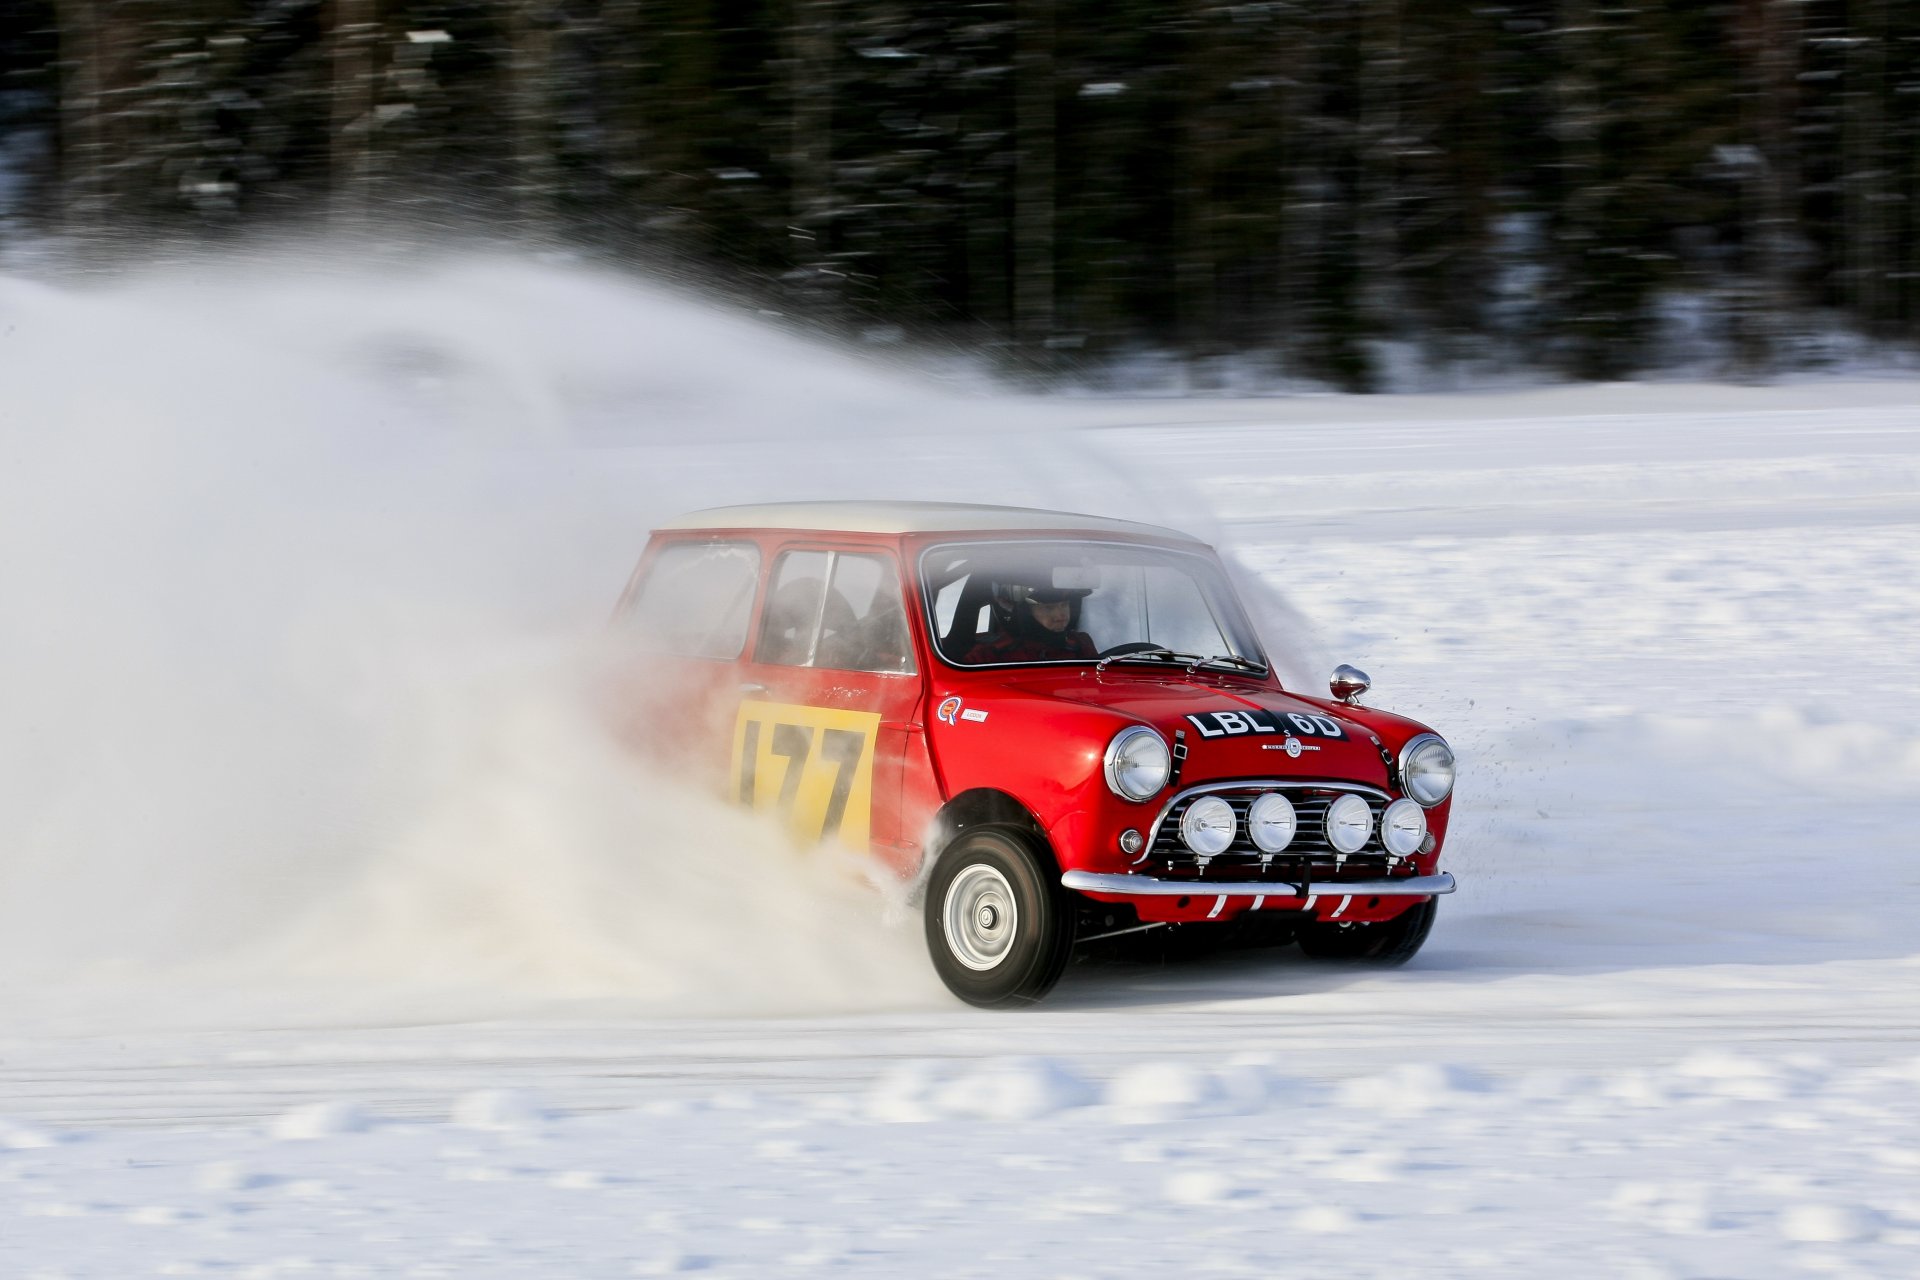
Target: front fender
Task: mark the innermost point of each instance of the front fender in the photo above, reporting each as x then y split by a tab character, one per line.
1045	755
1394	732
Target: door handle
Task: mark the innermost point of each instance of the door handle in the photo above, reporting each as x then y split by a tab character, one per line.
753	690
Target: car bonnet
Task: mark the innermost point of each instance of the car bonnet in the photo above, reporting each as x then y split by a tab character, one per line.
1232	728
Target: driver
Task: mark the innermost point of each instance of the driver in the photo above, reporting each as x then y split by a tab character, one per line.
1035	626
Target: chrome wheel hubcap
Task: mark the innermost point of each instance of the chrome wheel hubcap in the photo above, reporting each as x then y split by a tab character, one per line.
979	917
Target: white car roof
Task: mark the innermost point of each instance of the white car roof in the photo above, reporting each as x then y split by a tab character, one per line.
911	517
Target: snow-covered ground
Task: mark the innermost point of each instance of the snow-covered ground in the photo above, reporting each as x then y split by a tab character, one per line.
1716	1165
345	957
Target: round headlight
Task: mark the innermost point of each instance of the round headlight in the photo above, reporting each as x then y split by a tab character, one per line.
1349	823
1402	827
1270	822
1207	826
1137	763
1426	769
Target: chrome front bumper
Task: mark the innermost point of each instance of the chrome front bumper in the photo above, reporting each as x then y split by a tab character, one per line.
1148	887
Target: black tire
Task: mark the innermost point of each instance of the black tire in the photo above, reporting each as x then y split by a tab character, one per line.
1389	944
985	957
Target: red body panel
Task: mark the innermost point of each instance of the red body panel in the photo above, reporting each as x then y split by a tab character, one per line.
1036	734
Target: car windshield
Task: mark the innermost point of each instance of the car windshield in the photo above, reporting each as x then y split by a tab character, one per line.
996	603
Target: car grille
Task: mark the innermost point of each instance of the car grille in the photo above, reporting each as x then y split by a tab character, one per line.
1309	856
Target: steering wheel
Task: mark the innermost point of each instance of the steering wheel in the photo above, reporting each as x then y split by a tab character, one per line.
1131	646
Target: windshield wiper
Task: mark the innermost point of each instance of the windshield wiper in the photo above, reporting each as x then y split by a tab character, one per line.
1233	659
1193	661
1154	653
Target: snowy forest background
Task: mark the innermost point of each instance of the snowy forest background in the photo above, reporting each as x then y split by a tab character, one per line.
1331	192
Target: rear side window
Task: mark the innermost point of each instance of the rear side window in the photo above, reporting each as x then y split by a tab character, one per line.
837	609
697	598
793	609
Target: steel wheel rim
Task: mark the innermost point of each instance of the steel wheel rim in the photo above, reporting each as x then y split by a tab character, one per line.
979	917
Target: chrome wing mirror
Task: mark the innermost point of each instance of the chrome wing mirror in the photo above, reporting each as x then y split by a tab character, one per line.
1348	683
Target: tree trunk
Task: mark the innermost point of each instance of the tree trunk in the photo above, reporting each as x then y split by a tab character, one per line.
529	113
1378	117
1580	198
352	38
1768	43
1879	203
1195	228
810	143
1034	180
90	46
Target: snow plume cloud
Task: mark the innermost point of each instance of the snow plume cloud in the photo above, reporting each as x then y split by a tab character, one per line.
302	565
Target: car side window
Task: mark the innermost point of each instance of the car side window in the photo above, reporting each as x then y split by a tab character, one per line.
840	610
793	609
874	636
697	599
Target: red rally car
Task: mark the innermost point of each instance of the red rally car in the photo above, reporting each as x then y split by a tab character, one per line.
1057	727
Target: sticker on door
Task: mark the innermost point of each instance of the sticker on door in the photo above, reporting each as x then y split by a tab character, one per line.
812	765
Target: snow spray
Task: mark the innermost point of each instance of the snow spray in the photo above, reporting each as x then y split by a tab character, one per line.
305	559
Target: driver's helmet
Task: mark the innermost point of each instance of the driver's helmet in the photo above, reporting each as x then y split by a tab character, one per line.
1008	596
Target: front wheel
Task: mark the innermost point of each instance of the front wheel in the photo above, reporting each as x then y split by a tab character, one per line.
1389	944
997	927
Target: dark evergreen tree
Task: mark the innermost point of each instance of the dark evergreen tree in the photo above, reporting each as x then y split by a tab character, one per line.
1276	184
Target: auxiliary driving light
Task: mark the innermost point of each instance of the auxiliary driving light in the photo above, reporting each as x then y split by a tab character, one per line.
1403	828
1207	826
1349	823
1270	822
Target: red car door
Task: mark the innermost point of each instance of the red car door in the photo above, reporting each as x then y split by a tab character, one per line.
830	716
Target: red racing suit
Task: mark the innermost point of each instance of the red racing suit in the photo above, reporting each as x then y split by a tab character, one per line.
1007	647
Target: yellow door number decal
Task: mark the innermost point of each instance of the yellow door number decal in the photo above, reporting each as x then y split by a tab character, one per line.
813	764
